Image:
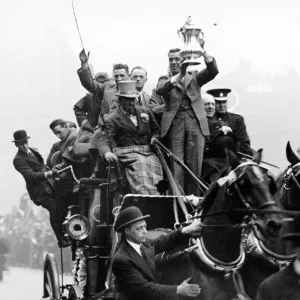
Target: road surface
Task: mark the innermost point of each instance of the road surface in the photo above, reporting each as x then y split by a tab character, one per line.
21	283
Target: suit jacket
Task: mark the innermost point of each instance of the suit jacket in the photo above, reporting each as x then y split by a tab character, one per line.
239	132
104	91
121	132
283	285
88	108
172	93
33	168
115	102
136	276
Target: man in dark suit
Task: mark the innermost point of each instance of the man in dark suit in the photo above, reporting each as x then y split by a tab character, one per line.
284	285
184	123
235	123
134	266
127	138
139	75
31	165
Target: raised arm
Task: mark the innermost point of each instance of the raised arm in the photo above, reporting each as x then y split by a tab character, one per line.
210	72
86	76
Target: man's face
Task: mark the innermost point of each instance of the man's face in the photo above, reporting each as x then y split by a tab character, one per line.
61	132
140	78
174	63
22	146
221	107
120	75
136	232
209	106
127	104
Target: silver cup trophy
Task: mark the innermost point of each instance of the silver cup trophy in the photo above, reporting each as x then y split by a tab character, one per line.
192	37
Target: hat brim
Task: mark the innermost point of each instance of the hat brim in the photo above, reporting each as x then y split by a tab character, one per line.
132	221
127	96
291	236
16	141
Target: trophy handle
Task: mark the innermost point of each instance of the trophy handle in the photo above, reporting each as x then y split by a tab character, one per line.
180	32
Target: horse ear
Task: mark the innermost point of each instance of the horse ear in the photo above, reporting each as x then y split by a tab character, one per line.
232	157
290	154
257	156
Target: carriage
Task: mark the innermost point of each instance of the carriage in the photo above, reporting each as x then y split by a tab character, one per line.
90	226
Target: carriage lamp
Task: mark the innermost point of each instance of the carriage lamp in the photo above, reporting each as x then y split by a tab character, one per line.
77	227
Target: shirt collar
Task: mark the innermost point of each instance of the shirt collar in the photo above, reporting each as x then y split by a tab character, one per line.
136	247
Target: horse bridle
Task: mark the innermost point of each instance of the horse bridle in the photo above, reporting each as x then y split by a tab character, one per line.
238	190
290	175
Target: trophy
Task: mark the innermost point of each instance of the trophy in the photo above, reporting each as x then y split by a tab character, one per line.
191	35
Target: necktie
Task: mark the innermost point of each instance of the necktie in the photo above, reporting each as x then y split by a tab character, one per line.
139	100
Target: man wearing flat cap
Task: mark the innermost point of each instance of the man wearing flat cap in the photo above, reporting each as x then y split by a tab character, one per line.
285	284
228	124
31	165
133	264
127	138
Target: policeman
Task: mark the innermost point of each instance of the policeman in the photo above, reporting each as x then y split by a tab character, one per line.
226	129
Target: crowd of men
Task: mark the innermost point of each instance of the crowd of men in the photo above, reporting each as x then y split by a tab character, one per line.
118	121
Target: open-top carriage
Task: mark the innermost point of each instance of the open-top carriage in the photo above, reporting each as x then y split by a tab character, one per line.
242	192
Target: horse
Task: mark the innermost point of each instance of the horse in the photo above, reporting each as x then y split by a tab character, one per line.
218	255
267	257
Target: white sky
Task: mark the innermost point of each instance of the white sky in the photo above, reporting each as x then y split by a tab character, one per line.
265	32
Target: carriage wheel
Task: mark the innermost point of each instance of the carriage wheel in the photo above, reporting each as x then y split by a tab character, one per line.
75	293
51	279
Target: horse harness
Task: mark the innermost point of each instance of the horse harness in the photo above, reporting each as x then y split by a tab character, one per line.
232	268
290	175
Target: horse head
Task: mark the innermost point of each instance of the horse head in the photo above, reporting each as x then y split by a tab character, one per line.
251	188
290	182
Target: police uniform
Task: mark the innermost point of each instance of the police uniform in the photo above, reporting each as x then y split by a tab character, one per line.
238	140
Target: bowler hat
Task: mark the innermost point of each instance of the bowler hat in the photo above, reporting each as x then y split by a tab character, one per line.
220	94
20	136
128	216
295	234
127	89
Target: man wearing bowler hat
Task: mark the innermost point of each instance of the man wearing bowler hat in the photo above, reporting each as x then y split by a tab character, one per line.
31	165
127	138
133	264
231	124
285	285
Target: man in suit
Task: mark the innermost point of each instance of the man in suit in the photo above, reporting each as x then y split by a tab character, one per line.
31	165
157	103
184	123
235	123
133	263
127	138
88	108
67	137
139	75
284	285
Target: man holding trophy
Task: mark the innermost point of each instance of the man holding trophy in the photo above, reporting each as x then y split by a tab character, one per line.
184	124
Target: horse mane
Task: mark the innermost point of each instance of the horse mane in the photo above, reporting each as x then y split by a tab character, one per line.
212	191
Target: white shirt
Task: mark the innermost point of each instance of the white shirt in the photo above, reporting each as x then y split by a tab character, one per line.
136	247
132	118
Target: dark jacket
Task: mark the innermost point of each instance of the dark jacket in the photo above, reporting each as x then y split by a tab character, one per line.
136	276
104	91
283	285
239	133
33	168
88	108
172	93
121	132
